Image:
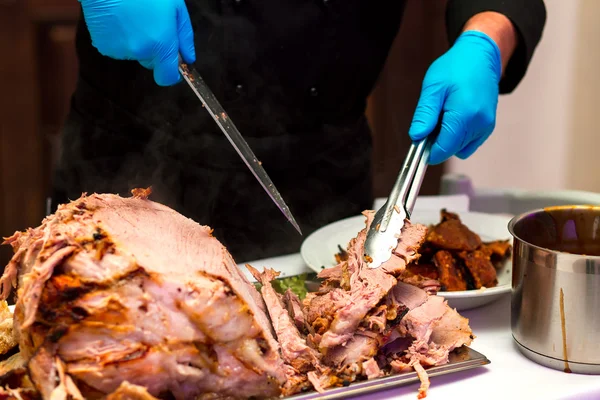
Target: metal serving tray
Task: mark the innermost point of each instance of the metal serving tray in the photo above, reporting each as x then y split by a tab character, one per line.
461	359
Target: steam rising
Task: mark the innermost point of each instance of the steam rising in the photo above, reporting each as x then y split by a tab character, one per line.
125	132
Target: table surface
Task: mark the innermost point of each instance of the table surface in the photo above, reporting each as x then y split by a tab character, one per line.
510	375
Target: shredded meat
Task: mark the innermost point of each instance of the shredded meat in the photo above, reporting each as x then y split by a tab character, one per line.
124	298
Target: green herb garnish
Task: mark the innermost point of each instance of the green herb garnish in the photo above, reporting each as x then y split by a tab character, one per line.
296	283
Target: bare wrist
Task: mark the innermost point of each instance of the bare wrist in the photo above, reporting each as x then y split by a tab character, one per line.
499	28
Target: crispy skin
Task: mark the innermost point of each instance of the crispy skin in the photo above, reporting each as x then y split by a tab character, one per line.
425	270
451	277
480	267
498	251
342	255
8	340
451	234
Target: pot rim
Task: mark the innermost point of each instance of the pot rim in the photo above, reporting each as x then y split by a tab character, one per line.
514	220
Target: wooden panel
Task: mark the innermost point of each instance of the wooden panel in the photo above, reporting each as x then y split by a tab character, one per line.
53	10
57	82
37	81
420	41
20	144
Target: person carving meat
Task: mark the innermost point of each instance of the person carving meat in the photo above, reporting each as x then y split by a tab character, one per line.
294	76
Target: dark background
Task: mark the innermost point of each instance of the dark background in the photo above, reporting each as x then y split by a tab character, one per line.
38	69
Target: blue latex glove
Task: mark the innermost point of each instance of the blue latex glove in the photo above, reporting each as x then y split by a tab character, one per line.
153	32
463	84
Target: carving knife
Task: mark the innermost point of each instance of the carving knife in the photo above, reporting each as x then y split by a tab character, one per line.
208	99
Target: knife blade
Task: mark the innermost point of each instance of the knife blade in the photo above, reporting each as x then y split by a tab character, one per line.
210	102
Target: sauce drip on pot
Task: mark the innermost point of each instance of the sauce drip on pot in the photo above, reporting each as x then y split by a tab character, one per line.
563	326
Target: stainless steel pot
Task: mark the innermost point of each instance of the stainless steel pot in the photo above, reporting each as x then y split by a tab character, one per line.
555	316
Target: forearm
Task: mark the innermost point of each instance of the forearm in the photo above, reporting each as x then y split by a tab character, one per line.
499	28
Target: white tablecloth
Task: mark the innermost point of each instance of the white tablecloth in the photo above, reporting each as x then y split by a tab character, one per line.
509	376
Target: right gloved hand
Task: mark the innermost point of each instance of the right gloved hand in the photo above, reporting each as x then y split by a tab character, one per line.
152	32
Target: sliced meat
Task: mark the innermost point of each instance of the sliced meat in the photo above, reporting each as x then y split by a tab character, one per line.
397	344
419	321
371	369
322	308
451	277
294	307
294	349
125	298
431	286
127	391
408	295
332	274
452	331
369	286
358	349
410	240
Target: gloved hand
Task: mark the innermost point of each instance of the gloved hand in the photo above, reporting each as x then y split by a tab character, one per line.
153	32
463	84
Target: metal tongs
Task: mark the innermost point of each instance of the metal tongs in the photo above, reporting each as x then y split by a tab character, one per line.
382	236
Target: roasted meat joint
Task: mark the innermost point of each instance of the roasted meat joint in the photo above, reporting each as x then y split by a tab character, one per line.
124	298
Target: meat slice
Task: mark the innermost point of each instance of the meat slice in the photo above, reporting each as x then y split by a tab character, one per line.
358	349
115	290
481	268
451	277
431	325
452	331
294	349
294	307
367	287
127	391
451	234
410	239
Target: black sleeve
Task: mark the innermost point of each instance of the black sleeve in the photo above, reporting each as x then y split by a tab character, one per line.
528	17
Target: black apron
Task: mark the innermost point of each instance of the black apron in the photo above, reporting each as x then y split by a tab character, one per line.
293	75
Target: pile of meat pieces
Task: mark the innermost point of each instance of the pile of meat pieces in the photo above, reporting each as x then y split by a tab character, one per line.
365	323
457	258
126	298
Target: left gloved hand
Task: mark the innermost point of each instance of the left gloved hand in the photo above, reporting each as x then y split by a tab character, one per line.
463	84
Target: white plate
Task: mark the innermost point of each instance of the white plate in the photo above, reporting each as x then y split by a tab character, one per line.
319	248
